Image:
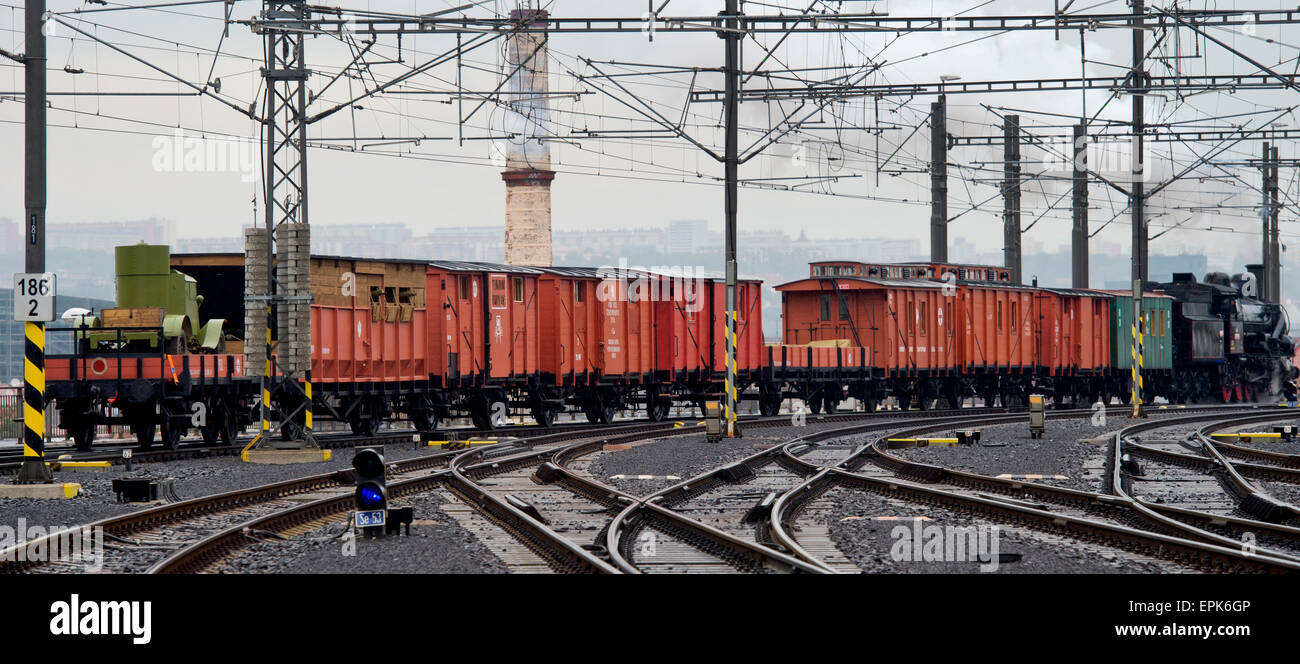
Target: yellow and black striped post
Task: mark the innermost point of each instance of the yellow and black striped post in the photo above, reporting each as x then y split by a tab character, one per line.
1138	328
266	374
729	388
34	469
306	390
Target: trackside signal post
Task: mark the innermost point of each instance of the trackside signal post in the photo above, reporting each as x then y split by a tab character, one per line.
34	469
34	291
731	35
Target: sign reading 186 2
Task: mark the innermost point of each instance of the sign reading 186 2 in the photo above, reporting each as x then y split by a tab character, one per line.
34	297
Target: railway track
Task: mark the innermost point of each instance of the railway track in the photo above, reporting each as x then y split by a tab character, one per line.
1094	518
536	491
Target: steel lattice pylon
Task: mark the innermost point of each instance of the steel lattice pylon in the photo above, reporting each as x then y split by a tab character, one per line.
286	383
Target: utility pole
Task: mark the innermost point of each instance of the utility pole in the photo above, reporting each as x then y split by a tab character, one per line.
1274	264
939	180
34	469
1079	234
1011	196
731	37
1137	78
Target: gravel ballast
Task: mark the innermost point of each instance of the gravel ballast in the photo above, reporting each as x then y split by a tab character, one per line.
870	543
437	545
194	478
1062	450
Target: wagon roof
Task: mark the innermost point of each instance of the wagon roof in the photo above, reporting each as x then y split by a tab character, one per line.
1077	292
862	283
472	266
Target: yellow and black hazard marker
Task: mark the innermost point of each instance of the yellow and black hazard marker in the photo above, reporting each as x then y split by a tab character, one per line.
34	469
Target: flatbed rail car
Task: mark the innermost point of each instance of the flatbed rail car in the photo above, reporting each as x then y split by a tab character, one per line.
151	392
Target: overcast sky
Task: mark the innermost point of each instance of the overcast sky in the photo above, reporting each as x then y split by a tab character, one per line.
108	167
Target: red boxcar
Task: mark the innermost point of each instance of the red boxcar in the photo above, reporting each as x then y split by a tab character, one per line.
595	327
998	328
1074	335
690	327
376	330
487	330
903	327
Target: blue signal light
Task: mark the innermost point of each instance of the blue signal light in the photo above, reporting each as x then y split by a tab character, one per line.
370	496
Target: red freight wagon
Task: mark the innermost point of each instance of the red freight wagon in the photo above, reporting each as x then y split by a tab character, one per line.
999	325
596	327
485	333
597	336
903	327
1074	334
372	331
690	319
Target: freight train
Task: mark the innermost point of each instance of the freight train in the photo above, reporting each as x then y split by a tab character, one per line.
424	341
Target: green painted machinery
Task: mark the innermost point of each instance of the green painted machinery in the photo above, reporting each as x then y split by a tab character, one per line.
151	295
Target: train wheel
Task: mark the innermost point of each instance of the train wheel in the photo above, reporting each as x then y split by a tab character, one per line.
171	434
543	416
769	406
424	420
83	434
657	410
229	428
830	404
210	434
362	425
144	434
870	404
814	404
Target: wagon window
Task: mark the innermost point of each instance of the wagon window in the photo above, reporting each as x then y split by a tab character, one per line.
844	308
999	316
924	312
826	307
577	291
464	287
376	294
818	271
519	289
1014	317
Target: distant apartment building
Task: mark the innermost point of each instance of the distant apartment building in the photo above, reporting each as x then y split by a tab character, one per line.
686	235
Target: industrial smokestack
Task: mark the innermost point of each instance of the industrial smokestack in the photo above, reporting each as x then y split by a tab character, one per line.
528	171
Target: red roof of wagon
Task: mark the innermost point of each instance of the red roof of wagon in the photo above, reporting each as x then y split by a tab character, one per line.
856	283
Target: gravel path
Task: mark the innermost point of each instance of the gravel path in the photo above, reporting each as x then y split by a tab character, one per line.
437	545
870	543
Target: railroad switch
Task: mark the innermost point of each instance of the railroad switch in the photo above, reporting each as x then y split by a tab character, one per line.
546	473
1128	465
760	511
527	508
968	437
714	427
1037	416
398	517
737	472
144	490
1285	431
